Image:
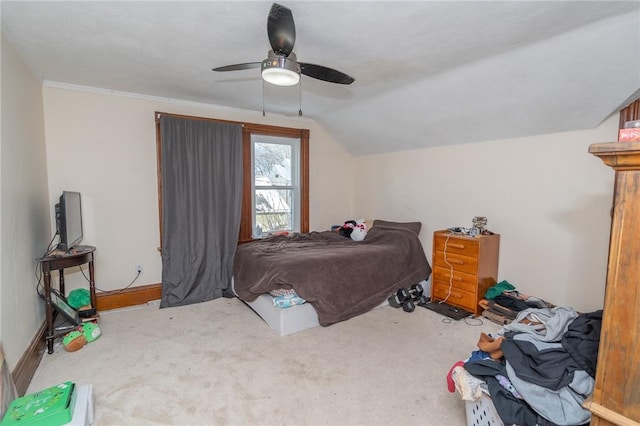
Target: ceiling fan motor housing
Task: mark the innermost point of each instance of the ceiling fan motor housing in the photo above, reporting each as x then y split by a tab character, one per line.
281	70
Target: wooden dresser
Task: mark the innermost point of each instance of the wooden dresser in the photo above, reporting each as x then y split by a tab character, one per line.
616	397
464	268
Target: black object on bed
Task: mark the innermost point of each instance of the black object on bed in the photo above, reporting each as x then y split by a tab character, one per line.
340	277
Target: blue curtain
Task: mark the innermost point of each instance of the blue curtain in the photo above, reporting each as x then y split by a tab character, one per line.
201	175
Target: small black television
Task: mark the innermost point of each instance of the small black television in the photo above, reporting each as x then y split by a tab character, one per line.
69	220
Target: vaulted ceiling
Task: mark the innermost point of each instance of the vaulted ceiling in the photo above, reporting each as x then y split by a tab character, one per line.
427	73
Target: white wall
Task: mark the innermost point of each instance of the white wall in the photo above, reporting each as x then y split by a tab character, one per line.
546	196
104	146
24	204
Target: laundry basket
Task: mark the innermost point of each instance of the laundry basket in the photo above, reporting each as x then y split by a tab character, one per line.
482	412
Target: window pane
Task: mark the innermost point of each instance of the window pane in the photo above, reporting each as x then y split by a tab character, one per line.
273	209
272	164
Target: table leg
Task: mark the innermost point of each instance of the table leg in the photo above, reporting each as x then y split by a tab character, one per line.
92	284
48	311
61	283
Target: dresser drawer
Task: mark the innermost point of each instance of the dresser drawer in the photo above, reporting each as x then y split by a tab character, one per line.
458	262
460	298
462	281
466	246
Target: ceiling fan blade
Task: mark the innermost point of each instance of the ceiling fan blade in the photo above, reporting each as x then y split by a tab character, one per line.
325	74
281	29
239	67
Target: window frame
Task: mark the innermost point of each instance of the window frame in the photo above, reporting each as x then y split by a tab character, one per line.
249	129
294	186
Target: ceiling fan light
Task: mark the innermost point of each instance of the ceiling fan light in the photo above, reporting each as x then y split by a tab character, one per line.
280	71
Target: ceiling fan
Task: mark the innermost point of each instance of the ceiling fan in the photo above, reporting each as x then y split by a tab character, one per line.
281	66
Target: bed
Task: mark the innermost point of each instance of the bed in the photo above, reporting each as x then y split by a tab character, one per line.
338	277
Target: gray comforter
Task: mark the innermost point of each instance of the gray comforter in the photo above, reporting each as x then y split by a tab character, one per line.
340	277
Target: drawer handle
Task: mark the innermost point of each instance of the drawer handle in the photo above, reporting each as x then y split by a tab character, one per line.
459	279
456	261
454	245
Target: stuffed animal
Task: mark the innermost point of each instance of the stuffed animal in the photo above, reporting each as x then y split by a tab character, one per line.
90	330
74	340
354	229
78	298
85	333
347	228
359	231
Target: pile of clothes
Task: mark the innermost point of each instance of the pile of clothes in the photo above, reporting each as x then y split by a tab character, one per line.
538	369
503	302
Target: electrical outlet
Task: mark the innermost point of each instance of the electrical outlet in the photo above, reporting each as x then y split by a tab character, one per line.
139	269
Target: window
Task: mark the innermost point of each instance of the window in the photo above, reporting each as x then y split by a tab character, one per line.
275	184
276	176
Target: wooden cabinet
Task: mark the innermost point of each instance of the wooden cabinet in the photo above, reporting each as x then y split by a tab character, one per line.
464	267
616	396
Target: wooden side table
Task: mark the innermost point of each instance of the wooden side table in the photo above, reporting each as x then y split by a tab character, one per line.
58	261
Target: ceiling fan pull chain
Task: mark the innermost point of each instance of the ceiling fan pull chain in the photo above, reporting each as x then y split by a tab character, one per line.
263	98
300	109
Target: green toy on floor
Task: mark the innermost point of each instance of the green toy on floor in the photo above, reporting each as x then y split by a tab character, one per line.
85	333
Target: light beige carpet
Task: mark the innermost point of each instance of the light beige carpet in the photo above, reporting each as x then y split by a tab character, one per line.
218	363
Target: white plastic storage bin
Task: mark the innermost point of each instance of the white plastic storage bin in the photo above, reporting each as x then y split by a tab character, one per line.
482	412
285	321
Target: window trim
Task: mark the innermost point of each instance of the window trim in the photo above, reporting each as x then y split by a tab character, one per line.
294	186
246	224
